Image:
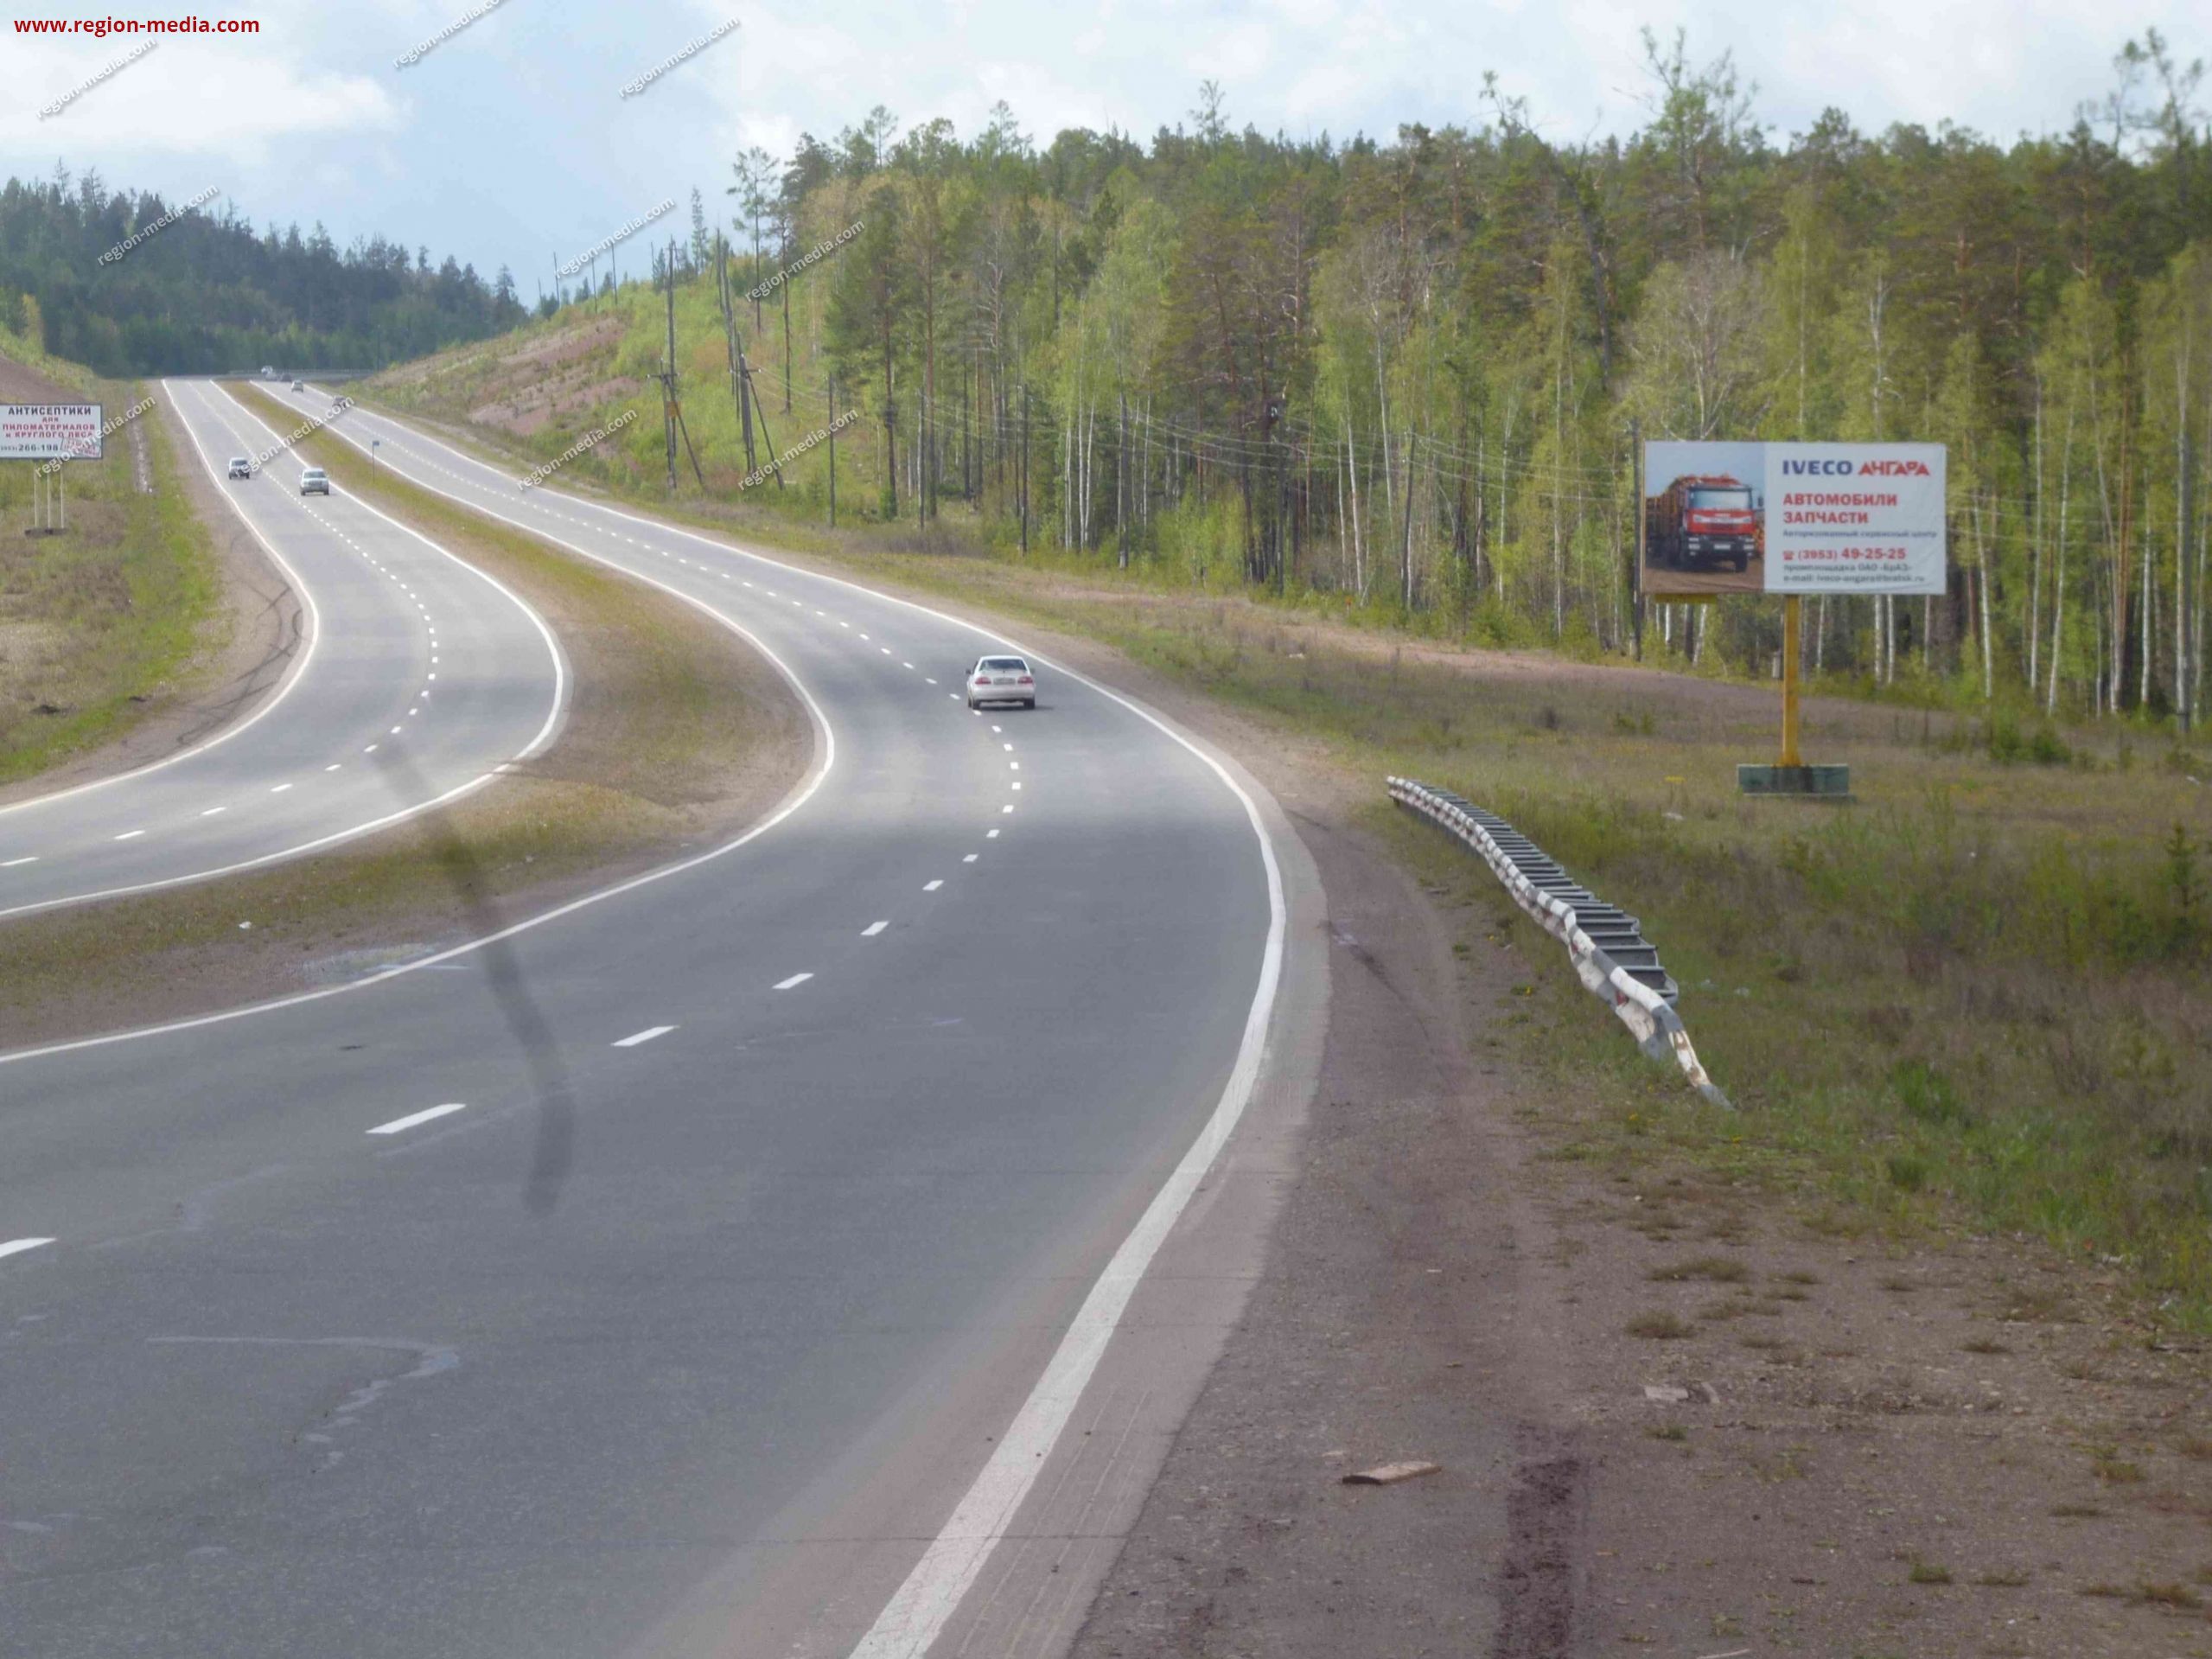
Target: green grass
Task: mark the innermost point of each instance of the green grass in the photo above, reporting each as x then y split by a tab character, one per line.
98	625
674	731
1982	994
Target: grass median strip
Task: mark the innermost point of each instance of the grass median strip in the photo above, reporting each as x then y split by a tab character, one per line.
676	733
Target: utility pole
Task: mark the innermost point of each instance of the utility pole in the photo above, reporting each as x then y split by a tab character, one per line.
668	375
834	449
738	388
671	411
1023	470
1636	575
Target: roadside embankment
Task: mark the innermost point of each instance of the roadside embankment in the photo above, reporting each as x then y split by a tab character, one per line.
678	733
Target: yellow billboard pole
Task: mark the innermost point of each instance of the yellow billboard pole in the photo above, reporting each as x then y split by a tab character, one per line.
1789	656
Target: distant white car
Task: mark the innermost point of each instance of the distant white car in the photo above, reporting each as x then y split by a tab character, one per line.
1002	679
299	385
315	481
240	467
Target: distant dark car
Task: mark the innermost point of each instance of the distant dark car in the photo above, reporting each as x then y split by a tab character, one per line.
240	467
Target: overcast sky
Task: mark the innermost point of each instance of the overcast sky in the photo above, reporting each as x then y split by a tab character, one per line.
511	142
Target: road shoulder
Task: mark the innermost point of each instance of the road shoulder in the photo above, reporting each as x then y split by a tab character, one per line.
678	736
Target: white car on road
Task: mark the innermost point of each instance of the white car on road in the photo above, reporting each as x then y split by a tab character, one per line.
1002	679
315	481
240	467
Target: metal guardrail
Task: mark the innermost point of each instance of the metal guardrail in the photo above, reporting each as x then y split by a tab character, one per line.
1606	946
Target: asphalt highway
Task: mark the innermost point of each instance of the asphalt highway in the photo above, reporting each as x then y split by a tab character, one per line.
496	1305
421	676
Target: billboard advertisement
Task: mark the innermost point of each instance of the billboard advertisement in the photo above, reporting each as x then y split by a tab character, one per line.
1793	518
41	431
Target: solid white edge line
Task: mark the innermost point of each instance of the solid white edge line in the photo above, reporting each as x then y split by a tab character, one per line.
331	839
553	715
414	1117
919	1611
17	1247
292	677
800	793
645	1036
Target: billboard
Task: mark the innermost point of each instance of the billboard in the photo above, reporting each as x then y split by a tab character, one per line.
1793	518
41	431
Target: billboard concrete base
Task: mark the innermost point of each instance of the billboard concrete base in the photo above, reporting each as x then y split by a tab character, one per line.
1828	783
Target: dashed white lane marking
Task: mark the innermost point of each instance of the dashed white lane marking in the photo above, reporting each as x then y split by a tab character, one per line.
873	929
844	624
394	731
863	636
12	863
927	680
645	1036
1017	783
212	811
998	728
371	750
906	665
993	835
796	979
414	1117
280	788
332	767
17	1247
1008	807
885	649
931	887
1013	766
1008	748
130	835
968	858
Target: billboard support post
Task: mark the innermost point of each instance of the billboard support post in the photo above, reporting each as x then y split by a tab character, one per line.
1789	643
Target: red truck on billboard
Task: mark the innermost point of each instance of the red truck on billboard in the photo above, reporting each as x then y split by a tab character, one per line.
1704	519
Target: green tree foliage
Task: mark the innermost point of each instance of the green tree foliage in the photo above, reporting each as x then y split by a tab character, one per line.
206	294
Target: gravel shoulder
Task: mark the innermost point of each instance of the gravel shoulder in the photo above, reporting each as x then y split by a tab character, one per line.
1676	1408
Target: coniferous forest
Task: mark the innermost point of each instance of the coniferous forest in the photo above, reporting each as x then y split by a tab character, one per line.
206	294
1408	375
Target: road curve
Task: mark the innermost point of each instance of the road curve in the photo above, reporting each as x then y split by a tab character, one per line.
499	1304
421	676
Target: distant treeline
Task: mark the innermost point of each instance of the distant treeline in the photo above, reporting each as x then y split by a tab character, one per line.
206	293
1406	373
